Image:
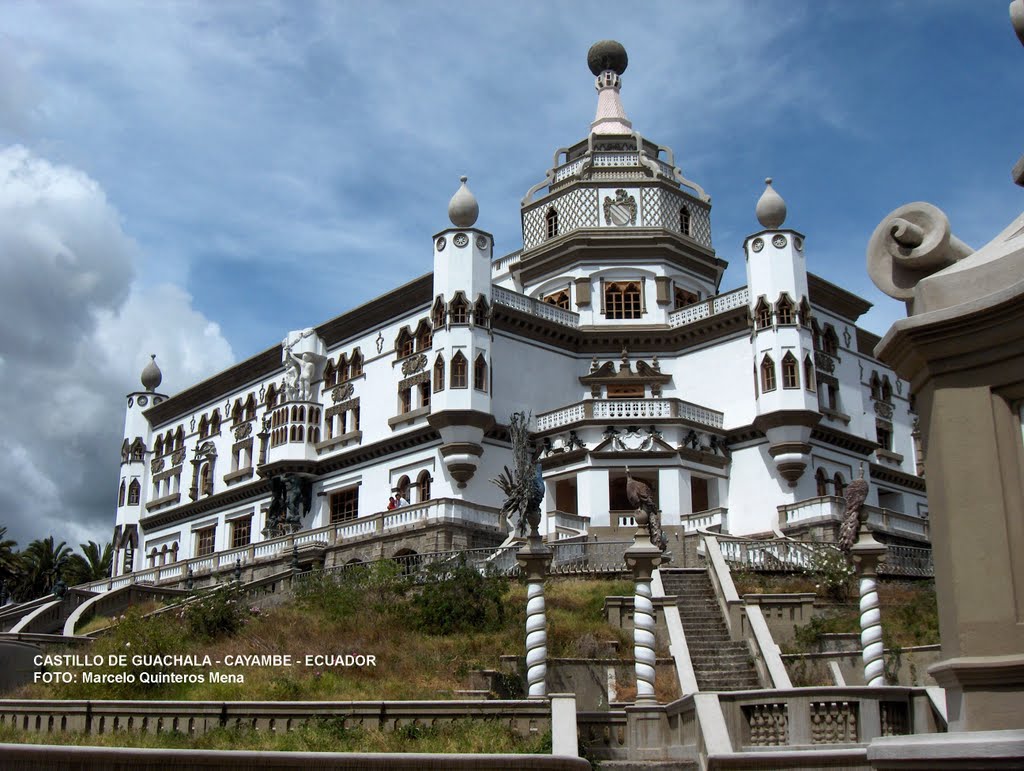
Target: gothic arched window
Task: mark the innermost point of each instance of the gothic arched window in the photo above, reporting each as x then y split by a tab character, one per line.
355	364
762	314
684	221
767	374
458	311
460	371
790	371
551	219
480	373
120	494
439	373
809	380
784	309
134	493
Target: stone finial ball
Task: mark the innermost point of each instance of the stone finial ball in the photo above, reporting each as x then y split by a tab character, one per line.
771	209
607	55
463	208
151	375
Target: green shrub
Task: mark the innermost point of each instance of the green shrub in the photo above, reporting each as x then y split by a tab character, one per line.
340	594
221	612
459	599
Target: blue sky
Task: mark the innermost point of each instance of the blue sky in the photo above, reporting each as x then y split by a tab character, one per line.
195	179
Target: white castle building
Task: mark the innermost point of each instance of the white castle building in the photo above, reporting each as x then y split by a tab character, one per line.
746	410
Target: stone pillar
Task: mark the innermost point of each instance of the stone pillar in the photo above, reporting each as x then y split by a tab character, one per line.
642	558
534	559
867	554
962	350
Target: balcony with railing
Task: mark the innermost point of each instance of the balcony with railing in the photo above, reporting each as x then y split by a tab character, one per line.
432	512
534	307
605	410
710	307
829	508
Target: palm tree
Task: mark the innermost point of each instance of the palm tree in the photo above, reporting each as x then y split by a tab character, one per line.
10	564
91	565
43	563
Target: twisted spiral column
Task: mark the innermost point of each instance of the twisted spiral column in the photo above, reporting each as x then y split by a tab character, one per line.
871	630
536	640
643	640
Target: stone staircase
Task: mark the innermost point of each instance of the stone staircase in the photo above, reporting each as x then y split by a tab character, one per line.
719	663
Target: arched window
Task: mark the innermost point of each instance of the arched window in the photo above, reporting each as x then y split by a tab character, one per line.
809	380
215	422
179	439
330	374
821	482
551	219
404	345
481	313
423	486
805	312
559	299
684	297
623	300
816	334
424	336
876	386
439	373
438	312
684	221
344	367
790	371
355	365
763	314
138	450
402	488
250	407
840	485
831	340
480	373
460	371
120	494
458	311
158	447
205	480
784	309
767	374
204	427
134	493
886	390
270	399
236	412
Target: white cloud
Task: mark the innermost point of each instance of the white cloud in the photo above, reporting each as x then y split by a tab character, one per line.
76	332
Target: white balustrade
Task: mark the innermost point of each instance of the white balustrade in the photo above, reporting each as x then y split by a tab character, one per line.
521	302
709	307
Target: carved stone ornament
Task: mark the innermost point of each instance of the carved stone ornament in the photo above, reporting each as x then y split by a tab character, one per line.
824	362
758	244
460	240
779	241
143	401
342	392
440	243
178	458
414	364
242	431
192	425
883	410
620	210
380	342
798	243
847	338
481	243
157	465
636	439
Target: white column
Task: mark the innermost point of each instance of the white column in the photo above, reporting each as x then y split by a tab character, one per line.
643	640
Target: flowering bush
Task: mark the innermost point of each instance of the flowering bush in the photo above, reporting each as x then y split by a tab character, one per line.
833	573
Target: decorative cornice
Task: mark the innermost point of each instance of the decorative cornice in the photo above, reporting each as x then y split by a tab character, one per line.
475	418
896	477
856	444
824	294
228	497
866	342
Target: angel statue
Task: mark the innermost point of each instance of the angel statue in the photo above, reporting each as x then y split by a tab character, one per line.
523	486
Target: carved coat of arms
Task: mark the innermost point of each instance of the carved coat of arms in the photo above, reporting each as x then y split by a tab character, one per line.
620	210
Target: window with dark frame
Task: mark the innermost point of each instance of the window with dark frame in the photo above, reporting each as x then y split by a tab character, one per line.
205	541
684	221
551	219
790	371
344	505
439	373
460	371
559	299
623	300
480	373
241	532
767	374
763	314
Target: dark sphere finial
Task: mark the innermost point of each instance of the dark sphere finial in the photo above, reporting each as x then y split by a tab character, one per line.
607	55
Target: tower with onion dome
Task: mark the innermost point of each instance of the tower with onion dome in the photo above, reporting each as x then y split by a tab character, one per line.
458	372
136	453
782	349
